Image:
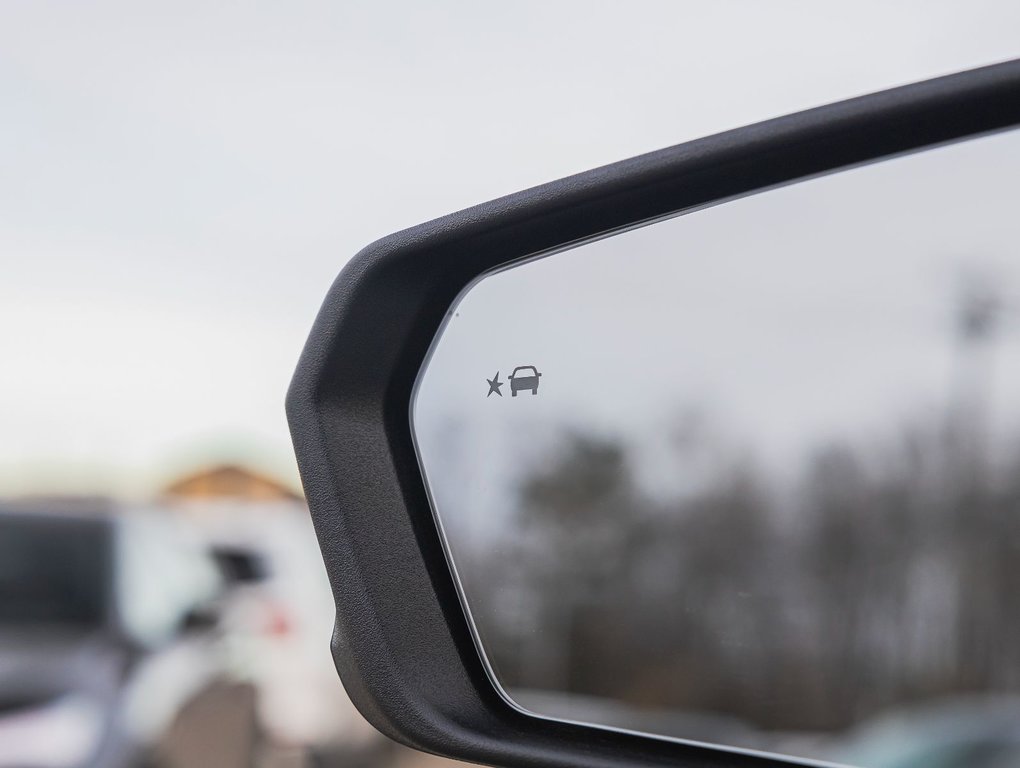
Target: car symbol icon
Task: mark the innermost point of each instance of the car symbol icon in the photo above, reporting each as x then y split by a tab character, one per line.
524	377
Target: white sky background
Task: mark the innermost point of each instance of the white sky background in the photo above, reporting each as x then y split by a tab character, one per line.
180	183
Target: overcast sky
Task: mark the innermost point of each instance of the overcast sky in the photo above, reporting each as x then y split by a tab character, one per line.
180	182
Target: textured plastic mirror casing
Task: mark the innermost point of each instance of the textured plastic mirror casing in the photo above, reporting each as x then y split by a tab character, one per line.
402	643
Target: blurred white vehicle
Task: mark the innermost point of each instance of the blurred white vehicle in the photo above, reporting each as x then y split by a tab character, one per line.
278	620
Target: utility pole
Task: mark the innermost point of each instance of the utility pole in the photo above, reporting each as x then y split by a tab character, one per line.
978	323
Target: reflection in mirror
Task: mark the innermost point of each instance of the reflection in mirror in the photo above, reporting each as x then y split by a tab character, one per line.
751	476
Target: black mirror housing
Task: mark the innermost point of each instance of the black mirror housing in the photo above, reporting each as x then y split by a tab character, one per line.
402	643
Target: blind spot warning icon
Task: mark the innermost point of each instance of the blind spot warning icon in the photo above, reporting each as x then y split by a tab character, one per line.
524	377
494	385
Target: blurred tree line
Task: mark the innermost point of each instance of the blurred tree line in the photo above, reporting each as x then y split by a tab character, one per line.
873	580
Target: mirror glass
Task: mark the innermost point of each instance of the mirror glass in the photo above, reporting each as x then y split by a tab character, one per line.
750	476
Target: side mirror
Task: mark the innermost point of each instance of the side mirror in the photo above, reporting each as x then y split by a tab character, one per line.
543	552
200	618
239	565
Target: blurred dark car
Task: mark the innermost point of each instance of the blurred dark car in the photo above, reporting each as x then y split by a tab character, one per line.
104	634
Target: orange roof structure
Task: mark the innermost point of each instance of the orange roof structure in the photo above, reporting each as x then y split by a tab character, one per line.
229	481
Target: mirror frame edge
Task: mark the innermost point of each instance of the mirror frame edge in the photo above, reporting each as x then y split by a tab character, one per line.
402	643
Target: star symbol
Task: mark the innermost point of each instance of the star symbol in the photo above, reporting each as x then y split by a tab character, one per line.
494	385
